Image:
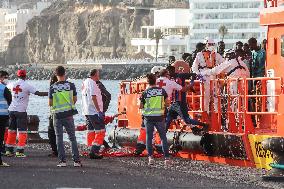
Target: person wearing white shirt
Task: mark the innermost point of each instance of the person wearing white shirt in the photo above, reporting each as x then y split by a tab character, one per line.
21	91
207	60
92	108
234	68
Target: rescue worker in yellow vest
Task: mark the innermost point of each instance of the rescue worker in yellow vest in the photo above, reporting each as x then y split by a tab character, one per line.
62	99
153	101
207	59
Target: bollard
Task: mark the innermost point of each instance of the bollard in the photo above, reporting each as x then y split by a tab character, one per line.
33	125
276	146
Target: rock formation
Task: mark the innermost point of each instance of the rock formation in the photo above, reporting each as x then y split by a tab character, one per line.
70	30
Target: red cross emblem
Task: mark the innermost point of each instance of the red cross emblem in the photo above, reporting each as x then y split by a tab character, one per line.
17	89
161	83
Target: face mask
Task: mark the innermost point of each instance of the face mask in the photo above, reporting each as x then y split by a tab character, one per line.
5	81
211	48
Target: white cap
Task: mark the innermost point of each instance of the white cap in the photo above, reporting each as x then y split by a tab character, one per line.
209	40
156	69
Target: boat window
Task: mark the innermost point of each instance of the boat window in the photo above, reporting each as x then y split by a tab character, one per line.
282	45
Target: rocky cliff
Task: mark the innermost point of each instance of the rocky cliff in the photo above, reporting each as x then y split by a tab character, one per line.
71	30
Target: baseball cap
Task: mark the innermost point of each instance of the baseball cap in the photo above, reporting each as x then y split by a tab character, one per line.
21	73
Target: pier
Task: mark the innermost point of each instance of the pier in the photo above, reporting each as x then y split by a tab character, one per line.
39	171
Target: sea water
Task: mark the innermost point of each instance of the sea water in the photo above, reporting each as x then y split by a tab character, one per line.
39	105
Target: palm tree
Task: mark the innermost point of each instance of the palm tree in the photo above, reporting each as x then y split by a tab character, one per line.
157	36
223	31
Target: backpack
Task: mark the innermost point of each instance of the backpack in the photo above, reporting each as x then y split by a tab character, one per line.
106	96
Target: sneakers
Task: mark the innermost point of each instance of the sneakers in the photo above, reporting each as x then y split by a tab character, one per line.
168	162
20	155
95	156
78	164
9	154
151	161
62	164
3	164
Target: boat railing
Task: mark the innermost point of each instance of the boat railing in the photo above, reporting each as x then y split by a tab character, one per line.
241	102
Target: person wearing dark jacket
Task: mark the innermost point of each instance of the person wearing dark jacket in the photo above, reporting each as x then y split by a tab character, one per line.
51	131
5	99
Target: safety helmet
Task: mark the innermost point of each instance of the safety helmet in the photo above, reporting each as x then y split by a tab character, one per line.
181	66
209	41
157	69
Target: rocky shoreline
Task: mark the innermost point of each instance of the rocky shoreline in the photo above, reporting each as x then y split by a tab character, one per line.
108	72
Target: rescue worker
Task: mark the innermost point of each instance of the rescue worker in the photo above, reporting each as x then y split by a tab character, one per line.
179	106
234	67
92	109
153	101
62	99
18	113
51	131
170	85
207	59
5	99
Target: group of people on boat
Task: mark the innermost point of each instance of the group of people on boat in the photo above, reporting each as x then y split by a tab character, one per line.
165	98
161	103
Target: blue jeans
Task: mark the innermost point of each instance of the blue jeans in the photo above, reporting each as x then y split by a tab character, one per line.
160	126
68	123
180	109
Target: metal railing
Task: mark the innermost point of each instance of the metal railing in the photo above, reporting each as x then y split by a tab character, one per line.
238	101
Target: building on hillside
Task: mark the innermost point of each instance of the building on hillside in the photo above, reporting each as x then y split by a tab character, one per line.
15	23
173	23
241	18
3	12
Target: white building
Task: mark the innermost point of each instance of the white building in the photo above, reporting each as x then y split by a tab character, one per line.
15	23
3	13
173	23
240	17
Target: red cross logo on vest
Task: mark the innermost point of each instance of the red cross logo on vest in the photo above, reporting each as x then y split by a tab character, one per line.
17	89
161	83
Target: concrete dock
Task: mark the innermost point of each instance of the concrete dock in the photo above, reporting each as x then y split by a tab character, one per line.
37	171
